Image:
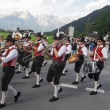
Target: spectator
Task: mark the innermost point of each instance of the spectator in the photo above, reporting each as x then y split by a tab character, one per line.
74	47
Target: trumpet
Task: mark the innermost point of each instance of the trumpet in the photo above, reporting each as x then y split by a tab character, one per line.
25	59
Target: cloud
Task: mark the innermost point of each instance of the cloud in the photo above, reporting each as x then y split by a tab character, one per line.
36	6
95	5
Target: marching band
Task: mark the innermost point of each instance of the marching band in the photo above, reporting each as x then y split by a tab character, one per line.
22	52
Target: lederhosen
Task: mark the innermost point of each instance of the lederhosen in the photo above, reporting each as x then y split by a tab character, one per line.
37	63
28	55
8	72
56	68
80	62
100	65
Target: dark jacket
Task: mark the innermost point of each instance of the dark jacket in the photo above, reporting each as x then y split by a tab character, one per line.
74	46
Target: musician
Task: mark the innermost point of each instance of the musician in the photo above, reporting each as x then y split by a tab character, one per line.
68	53
37	64
82	51
99	55
28	54
58	55
9	58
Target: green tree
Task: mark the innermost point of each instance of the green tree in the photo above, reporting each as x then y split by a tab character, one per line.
76	34
102	24
88	27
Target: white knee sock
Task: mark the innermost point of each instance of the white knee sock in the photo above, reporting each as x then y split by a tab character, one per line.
4	95
19	67
77	77
27	72
95	86
38	78
10	88
63	71
56	91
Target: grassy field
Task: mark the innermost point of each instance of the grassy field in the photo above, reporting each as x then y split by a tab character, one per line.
33	38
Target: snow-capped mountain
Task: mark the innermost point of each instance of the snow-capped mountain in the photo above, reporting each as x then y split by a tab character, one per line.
25	20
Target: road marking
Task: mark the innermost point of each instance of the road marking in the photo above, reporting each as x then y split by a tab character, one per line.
99	90
70	86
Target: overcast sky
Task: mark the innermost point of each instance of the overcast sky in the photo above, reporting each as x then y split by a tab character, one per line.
56	7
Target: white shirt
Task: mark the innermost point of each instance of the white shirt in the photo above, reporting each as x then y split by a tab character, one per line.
41	47
60	52
84	49
69	48
13	54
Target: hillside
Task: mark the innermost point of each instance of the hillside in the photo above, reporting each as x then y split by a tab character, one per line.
79	24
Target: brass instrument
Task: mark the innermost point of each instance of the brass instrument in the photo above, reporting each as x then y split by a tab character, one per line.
17	36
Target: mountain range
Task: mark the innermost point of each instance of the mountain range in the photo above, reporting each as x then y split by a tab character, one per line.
80	23
25	20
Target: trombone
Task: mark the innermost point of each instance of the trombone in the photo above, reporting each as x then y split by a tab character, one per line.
45	47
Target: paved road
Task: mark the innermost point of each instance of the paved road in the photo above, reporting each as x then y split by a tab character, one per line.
69	98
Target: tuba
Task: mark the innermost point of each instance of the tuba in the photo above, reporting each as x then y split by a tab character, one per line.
17	36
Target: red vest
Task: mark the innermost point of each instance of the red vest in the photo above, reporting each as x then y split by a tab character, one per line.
13	61
42	52
59	58
80	49
99	51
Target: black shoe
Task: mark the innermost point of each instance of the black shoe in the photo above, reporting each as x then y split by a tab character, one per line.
41	80
60	90
35	86
2	105
83	78
53	99
18	72
93	93
75	82
17	96
99	86
63	74
66	71
30	72
45	63
25	77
